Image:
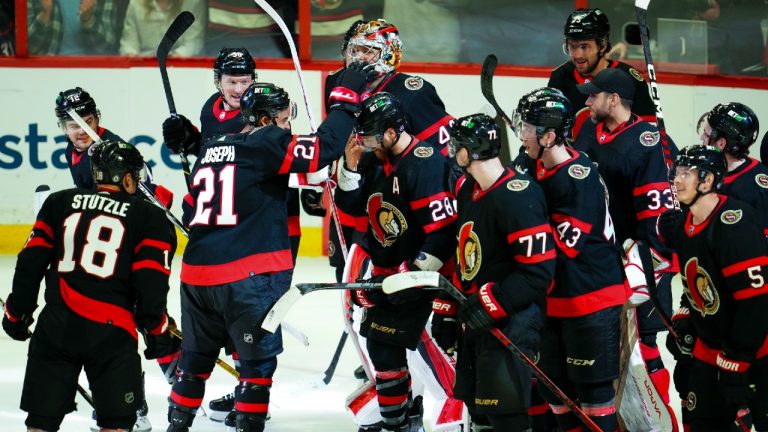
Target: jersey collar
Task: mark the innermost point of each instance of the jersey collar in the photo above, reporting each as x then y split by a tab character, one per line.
478	192
605	136
691	229
220	113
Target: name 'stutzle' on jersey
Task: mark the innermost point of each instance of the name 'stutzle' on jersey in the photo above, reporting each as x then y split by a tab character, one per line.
109	256
724	270
408	206
749	183
565	78
589	276
80	162
214	120
239	197
631	162
504	237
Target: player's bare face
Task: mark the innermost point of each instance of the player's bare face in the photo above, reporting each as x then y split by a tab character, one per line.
283	119
232	88
526	133
599	106
705	132
77	135
686	181
584	54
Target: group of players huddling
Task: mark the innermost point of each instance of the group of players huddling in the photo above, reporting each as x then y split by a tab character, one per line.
535	246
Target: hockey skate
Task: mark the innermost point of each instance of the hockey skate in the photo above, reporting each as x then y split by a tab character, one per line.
220	409
142	421
414	418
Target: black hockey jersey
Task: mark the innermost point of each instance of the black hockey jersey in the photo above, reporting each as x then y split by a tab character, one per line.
109	256
504	237
724	270
566	78
749	183
80	162
631	162
240	217
214	120
589	276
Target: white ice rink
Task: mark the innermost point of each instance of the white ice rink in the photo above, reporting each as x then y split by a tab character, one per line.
299	400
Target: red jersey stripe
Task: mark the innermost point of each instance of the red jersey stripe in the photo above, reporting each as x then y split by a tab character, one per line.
743	265
153	243
44	227
288	160
150	264
423	202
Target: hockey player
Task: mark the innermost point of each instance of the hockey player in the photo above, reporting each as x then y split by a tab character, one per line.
231	268
587	40
630	160
580	346
109	258
410	218
505	261
725	296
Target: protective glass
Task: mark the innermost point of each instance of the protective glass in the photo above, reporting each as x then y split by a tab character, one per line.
517	123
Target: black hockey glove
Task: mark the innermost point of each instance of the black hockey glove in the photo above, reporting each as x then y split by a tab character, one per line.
350	85
160	341
180	135
733	381
445	326
681	323
312	202
481	310
668	226
16	325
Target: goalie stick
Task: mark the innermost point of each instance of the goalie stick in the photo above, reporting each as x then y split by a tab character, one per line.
486	86
174	32
436	280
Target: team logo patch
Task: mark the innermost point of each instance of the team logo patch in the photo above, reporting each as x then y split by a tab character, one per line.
423	152
635	74
578	171
730	217
326	4
128	397
331	248
649	139
690	401
414	83
762	180
468	253
248	338
386	220
700	289
517	185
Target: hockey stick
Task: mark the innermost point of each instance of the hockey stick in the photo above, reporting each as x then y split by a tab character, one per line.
328	375
41	194
224	365
440	282
486	86
174	32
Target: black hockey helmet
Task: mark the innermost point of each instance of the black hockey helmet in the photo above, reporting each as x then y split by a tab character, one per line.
546	108
587	24
233	61
264	99
78	99
477	133
735	122
379	113
705	159
110	160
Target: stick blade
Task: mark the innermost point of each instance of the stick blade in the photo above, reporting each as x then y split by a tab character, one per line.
177	28
486	77
401	281
642	4
280	309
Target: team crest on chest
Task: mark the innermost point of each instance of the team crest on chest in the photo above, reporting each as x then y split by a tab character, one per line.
386	220
468	252
517	185
578	171
414	83
762	180
649	139
423	152
700	289
730	217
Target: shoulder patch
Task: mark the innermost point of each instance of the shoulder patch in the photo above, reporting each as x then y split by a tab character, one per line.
517	185
636	74
414	83
730	217
578	171
762	180
649	139
423	152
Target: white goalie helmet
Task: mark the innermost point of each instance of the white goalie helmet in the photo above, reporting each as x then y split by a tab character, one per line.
381	35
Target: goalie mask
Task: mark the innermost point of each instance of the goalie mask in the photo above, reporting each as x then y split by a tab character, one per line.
110	160
265	99
735	122
477	133
379	34
76	98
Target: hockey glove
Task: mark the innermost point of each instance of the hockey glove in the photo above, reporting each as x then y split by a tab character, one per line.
482	309
668	226
733	381
406	295
445	327
682	325
160	341
16	325
312	202
181	136
351	84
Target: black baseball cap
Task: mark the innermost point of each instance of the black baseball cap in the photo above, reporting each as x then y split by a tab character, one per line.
610	80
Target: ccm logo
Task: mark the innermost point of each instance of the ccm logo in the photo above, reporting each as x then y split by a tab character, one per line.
579	362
